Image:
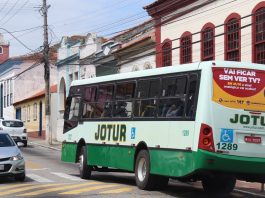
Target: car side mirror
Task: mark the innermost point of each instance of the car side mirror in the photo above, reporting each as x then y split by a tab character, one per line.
20	144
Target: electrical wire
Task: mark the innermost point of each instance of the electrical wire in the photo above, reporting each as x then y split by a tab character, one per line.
4	5
24	45
21	7
9	11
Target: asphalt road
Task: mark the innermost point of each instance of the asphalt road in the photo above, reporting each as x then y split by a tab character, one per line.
47	176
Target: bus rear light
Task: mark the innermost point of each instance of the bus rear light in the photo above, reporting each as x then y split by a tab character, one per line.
206	141
206	131
206	138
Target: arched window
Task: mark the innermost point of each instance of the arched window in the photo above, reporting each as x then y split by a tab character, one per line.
258	31
186	48
233	38
167	53
207	42
1	50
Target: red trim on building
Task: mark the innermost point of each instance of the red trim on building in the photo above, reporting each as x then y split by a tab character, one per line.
212	27
233	16
253	20
186	52
5	53
166	53
35	134
158	42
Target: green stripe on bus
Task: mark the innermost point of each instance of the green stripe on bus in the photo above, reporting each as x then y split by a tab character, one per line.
120	157
69	152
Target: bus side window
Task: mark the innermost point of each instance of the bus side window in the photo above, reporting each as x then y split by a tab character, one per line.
146	103
89	102
190	110
104	101
172	101
74	109
124	94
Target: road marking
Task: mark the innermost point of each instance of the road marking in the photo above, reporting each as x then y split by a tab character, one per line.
9	192
13	186
32	165
66	176
119	190
38	178
63	187
82	190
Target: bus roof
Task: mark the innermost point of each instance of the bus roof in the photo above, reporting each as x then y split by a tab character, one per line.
168	70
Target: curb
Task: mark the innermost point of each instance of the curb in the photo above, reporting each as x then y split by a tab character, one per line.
249	193
45	146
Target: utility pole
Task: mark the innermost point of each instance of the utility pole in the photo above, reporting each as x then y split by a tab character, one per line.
44	11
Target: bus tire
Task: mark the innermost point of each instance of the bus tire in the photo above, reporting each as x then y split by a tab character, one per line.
144	180
219	184
84	169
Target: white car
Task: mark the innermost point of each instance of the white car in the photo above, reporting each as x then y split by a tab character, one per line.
16	129
12	162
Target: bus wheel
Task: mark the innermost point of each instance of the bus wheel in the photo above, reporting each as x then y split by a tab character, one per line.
219	184
144	179
84	169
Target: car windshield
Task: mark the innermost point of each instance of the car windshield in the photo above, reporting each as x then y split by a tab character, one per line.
10	123
5	140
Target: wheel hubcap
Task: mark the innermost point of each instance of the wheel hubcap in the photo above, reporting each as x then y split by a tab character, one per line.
141	169
81	159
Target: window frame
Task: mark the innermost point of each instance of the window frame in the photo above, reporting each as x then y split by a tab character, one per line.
185	48
232	20
207	26
166	54
35	107
256	43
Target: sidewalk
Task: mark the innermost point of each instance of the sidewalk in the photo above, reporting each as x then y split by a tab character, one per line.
43	143
250	189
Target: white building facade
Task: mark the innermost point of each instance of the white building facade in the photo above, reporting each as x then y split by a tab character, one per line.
192	31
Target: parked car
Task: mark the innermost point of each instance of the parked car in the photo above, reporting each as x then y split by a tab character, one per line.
12	162
16	129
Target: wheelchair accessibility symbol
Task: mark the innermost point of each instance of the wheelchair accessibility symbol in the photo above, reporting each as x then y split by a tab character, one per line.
227	135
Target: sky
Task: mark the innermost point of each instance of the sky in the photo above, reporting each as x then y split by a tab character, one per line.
22	19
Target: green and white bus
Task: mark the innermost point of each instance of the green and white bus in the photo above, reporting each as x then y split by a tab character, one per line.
201	121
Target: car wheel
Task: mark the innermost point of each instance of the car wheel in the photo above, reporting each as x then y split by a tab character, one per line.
20	177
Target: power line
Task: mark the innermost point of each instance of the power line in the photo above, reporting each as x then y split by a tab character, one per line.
9	11
22	6
17	39
23	30
172	15
4	5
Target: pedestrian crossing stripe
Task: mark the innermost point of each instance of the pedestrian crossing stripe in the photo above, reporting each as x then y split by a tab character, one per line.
29	187
64	187
79	191
66	176
119	190
39	178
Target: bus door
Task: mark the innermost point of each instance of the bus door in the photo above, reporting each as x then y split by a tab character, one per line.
238	111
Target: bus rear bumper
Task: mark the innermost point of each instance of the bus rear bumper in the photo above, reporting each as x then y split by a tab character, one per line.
243	168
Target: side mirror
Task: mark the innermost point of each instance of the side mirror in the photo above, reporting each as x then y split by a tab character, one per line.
20	144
